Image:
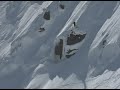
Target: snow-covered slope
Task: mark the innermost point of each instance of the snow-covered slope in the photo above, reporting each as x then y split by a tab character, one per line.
105	48
41	48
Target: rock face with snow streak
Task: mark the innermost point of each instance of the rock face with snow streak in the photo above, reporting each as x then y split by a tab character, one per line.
34	35
69	44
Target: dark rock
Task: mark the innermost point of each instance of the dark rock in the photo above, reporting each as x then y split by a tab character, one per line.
74	24
47	15
62	6
73	39
104	42
59	48
42	29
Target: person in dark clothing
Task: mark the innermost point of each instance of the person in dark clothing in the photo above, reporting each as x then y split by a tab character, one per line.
74	24
46	15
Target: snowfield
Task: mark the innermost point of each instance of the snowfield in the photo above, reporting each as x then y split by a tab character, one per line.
59	44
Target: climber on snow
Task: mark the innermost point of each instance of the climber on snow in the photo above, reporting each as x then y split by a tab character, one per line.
74	23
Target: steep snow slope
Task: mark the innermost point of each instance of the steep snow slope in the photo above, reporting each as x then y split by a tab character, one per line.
27	55
105	48
66	68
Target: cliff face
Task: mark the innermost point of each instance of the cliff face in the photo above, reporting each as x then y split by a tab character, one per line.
65	44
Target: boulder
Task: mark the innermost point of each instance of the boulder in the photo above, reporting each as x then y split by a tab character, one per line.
74	38
62	6
47	15
41	29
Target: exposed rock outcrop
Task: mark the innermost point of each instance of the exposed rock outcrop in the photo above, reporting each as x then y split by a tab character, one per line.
75	38
59	48
47	15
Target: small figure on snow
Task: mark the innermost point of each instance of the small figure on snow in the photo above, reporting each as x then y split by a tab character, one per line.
74	23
